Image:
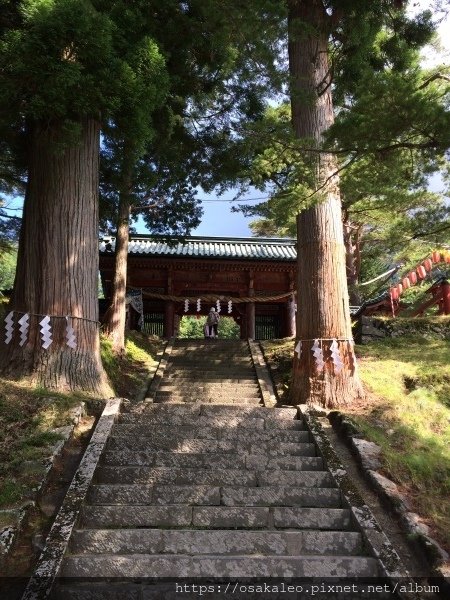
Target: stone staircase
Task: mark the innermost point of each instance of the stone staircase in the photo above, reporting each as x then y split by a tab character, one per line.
210	371
196	488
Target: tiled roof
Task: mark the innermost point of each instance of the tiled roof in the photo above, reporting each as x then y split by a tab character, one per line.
209	247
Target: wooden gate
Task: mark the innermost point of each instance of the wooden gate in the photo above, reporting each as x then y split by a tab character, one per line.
267	327
153	324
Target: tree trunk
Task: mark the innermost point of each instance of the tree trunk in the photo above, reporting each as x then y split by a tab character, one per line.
57	270
352	261
116	315
322	306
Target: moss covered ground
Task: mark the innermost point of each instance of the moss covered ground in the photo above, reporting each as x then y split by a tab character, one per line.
406	411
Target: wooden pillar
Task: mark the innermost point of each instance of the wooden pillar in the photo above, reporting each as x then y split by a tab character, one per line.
445	286
169	314
251	331
169	309
250	309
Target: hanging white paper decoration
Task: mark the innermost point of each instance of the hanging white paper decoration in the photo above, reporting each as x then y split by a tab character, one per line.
70	335
218	306
318	355
186	305
24	322
9	328
199	305
336	356
230	306
298	348
46	332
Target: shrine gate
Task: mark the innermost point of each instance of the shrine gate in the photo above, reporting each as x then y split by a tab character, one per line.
256	274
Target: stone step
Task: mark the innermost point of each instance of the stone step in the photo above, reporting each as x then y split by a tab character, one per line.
197	378
192	395
270	449
314	497
223	542
158	420
144	475
211	359
232	400
177	384
229	374
256	462
214	517
180	565
208	495
167	432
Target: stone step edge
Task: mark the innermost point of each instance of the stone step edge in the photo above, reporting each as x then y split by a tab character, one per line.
51	557
249	537
175	566
376	540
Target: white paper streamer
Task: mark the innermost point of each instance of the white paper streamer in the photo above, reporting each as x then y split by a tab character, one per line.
70	335
318	355
230	306
336	356
298	348
46	332
9	328
186	305
24	322
199	305
354	361
218	306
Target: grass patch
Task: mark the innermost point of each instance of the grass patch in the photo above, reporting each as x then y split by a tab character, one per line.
406	412
128	373
27	417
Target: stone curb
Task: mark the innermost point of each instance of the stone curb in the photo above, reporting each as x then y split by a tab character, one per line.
367	454
263	374
49	562
144	391
9	533
158	374
375	539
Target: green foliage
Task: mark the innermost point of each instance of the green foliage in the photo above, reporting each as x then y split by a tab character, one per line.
193	327
8	262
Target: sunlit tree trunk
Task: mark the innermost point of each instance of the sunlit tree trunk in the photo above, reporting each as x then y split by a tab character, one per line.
57	270
116	314
323	305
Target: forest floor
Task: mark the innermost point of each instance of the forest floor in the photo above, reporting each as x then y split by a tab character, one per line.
28	419
406	412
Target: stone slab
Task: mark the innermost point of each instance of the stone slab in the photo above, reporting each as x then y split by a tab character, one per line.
312	518
143	475
260	462
280	496
296	478
224	542
230	517
162	458
141	565
96	517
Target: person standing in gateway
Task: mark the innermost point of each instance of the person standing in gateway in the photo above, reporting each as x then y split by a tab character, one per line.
213	321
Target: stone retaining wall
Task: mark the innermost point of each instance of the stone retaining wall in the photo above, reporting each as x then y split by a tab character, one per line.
369	329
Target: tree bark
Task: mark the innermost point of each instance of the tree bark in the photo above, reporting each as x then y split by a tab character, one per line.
323	305
57	270
352	260
116	315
